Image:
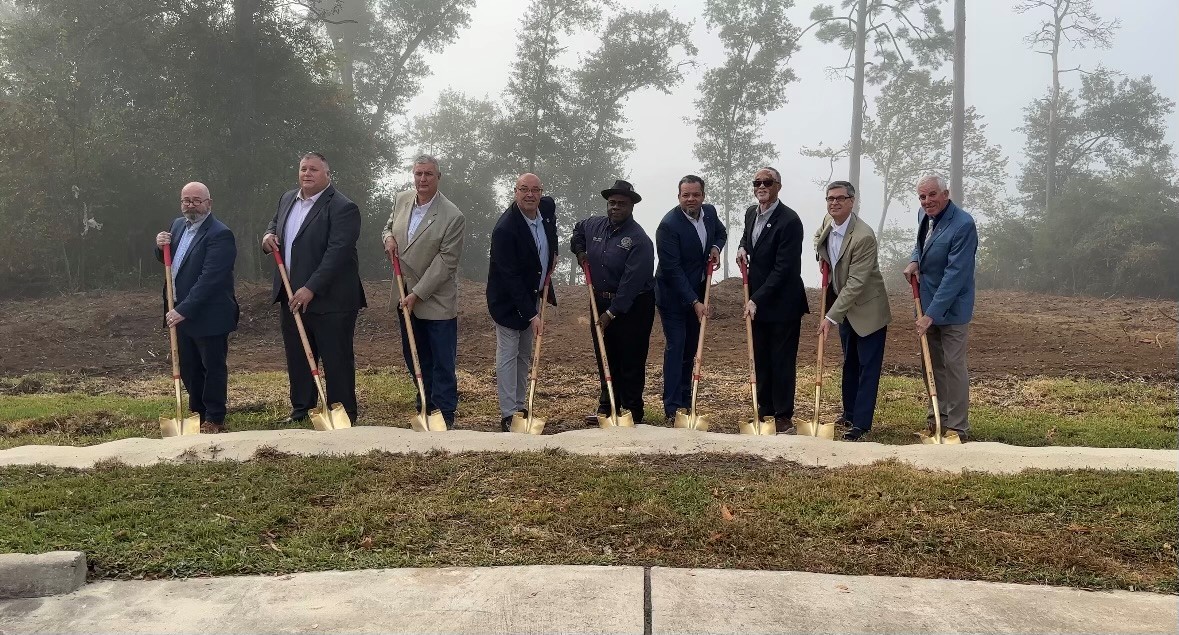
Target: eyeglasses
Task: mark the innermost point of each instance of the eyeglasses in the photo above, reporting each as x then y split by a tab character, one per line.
530	190
193	201
838	199
768	183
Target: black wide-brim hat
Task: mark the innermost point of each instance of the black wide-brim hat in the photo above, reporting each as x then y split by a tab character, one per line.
624	188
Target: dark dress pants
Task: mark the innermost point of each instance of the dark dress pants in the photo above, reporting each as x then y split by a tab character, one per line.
775	353
331	337
204	373
628	339
681	330
437	344
862	360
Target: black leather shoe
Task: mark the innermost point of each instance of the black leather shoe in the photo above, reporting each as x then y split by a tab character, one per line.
505	424
294	418
854	434
784	425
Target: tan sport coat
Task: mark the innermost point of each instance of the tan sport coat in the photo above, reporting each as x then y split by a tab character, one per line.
855	278
430	261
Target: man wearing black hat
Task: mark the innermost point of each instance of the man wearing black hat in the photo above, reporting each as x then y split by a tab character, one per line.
621	260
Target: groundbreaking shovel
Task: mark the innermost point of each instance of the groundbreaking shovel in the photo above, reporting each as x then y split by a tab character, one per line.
617	418
937	438
422	422
181	425
324	417
690	418
759	425
524	422
813	428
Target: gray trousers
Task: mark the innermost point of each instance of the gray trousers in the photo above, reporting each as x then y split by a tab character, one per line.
947	352
513	358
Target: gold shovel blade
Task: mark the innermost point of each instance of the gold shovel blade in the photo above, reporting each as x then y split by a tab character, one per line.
418	424
685	419
336	418
170	427
521	425
435	422
948	438
623	420
765	427
811	429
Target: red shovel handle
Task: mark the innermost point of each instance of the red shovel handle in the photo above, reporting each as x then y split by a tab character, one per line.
167	254
826	269
916	289
744	271
396	265
277	257
585	269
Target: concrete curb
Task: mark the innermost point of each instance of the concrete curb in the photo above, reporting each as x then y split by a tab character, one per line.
585	599
39	575
993	458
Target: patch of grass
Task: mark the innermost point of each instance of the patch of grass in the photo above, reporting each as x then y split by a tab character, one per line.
280	514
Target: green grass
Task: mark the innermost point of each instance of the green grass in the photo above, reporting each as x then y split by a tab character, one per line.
67	410
279	514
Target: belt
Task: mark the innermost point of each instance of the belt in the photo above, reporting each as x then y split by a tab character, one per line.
605	294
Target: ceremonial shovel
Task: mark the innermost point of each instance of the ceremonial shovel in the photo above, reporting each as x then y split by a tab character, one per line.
690	418
759	425
181	425
422	421
324	417
937	438
616	418
813	428
525	422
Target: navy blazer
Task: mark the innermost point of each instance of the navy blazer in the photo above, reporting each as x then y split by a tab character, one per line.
204	281
513	275
681	258
324	252
775	265
947	265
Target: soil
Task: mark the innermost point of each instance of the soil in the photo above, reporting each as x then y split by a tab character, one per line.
1013	335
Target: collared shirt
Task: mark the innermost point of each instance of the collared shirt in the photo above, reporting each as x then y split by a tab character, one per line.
698	223
186	238
299	211
621	259
928	224
763	216
835	240
417	214
536	226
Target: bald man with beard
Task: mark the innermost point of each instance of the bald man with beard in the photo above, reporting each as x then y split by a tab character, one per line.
206	311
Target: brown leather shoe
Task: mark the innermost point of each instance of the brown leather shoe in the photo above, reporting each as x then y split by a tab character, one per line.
784	425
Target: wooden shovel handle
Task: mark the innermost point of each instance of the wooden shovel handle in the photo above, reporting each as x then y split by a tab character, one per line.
930	384
173	344
601	340
409	336
286	283
749	339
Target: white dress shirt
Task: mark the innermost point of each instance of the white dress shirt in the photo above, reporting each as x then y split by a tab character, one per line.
185	242
759	223
835	246
417	214
536	226
295	220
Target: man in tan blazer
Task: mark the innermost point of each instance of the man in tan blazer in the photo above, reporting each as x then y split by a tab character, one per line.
426	230
859	305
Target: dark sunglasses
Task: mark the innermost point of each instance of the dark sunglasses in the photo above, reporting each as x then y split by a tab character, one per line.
763	183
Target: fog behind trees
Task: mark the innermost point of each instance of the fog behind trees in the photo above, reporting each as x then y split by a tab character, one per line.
109	107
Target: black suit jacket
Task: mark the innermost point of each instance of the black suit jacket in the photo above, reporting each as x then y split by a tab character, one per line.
204	281
775	265
323	251
513	275
680	273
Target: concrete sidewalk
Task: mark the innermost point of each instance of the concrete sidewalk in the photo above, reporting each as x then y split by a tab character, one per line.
995	458
565	599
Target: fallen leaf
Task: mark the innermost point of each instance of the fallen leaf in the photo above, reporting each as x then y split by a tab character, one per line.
843	588
1077	528
367	543
726	513
715	537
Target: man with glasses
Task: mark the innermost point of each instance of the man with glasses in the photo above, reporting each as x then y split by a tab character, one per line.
206	311
316	228
426	230
621	259
523	252
943	262
771	246
689	238
859	305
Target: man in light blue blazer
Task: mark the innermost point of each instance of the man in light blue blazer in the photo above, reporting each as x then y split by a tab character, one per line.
688	238
943	261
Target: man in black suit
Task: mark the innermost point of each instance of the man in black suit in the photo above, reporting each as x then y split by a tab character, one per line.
771	246
689	237
316	227
206	310
523	252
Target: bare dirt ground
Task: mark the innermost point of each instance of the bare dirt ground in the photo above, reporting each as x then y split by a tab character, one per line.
1013	335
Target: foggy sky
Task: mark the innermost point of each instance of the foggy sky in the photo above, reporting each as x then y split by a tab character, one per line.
1002	76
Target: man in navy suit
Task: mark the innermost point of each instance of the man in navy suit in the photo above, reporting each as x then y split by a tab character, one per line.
206	310
771	245
316	227
523	252
943	261
689	237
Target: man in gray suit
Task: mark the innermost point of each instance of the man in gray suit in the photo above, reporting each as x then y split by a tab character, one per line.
426	230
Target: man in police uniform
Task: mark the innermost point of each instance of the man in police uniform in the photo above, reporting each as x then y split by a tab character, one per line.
621	259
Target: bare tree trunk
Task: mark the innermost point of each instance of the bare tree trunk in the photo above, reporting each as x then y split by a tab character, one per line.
958	140
1053	107
855	145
